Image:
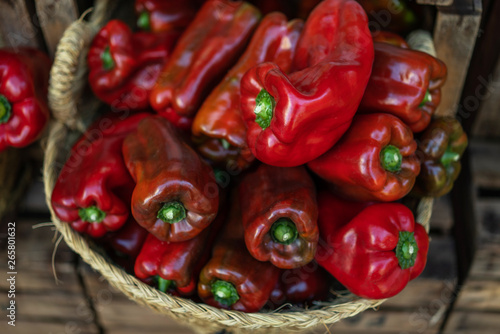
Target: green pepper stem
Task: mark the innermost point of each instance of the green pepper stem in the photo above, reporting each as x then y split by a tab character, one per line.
92	214
427	98
107	59
391	158
143	21
5	109
224	293
449	156
264	108
225	144
284	231
406	249
172	212
163	284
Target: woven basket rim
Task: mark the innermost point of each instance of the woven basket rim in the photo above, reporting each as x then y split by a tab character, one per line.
78	36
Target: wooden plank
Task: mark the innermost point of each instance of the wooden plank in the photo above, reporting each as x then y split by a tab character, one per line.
472	323
435	2
65	327
18	25
486	264
485	159
454	38
55	16
486	124
479	296
442	215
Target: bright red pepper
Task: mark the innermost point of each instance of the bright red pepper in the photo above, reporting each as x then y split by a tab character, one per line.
374	161
279	214
233	279
207	49
124	66
291	119
440	148
176	195
93	189
24	78
219	129
165	15
376	252
405	83
301	285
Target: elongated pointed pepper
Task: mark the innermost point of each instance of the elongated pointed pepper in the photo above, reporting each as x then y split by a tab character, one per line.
164	15
301	285
176	195
176	266
24	78
232	278
124	66
374	161
292	120
218	128
405	83
440	148
376	252
94	188
207	49
280	213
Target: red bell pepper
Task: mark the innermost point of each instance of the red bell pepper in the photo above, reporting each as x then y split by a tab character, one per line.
291	119
207	49
405	83
374	161
176	195
301	285
164	15
440	148
279	214
124	66
376	252
93	189
233	279
218	128
24	78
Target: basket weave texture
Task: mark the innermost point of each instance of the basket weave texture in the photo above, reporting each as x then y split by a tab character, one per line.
70	109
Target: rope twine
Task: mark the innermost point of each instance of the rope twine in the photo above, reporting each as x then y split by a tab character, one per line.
68	80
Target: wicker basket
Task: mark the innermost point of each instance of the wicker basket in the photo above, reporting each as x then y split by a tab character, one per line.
66	96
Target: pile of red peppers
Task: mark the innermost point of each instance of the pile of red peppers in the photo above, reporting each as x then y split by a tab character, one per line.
262	159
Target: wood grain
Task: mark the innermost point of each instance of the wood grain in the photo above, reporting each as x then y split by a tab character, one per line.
17	25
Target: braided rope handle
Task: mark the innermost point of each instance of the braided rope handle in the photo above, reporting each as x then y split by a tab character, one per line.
68	75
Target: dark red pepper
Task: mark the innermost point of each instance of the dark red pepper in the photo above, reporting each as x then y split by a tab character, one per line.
279	214
233	279
302	285
376	252
405	83
176	195
93	189
165	15
374	161
124	66
207	49
218	128
24	78
440	148
292	120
